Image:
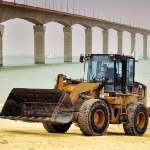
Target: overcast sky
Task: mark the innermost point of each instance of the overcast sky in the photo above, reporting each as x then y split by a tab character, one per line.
19	37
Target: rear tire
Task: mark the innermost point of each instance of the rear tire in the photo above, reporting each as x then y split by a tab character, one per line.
56	128
93	119
137	119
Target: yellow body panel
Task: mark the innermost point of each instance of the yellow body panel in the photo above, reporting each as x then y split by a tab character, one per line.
84	87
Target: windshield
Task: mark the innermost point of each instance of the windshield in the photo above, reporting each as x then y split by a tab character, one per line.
100	66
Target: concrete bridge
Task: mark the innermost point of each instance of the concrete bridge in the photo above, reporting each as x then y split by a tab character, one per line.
41	16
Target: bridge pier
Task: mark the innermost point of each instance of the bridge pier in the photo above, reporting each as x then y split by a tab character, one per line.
67	44
88	41
119	42
105	41
39	44
1	44
144	46
133	43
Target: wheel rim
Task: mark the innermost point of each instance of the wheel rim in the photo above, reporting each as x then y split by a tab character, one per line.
141	120
99	118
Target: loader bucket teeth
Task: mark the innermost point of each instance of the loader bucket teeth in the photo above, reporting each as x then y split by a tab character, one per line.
53	104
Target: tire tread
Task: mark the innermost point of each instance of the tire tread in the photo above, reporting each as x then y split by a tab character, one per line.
83	118
129	127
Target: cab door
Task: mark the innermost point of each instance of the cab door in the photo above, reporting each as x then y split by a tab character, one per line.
130	74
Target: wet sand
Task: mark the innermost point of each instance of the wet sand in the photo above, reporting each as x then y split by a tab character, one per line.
19	135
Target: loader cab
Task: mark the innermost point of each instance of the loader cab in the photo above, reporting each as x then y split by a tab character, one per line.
119	70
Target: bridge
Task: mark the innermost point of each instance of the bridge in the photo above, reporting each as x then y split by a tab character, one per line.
42	15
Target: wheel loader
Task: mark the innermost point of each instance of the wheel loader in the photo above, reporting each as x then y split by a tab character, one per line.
109	95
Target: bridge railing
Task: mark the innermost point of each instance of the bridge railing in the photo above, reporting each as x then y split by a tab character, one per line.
76	8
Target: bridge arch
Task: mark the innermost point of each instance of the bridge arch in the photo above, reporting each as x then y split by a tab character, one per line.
102	27
117	29
26	18
15	38
97	40
54	38
113	38
63	23
82	24
78	46
36	22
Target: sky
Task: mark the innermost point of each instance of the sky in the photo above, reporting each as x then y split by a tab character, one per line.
18	38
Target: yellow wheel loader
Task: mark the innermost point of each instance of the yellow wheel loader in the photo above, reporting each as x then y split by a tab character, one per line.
110	95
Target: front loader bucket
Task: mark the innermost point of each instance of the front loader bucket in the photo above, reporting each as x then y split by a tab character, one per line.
38	105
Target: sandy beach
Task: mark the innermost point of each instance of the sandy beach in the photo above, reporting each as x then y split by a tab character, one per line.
17	135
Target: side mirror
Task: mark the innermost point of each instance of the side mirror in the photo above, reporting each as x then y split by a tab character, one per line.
81	58
123	58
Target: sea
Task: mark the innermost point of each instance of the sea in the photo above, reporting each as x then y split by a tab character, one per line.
21	72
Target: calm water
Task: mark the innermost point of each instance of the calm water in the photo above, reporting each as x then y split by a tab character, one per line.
22	73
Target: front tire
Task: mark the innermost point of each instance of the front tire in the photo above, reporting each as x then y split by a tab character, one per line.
137	119
56	128
93	119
